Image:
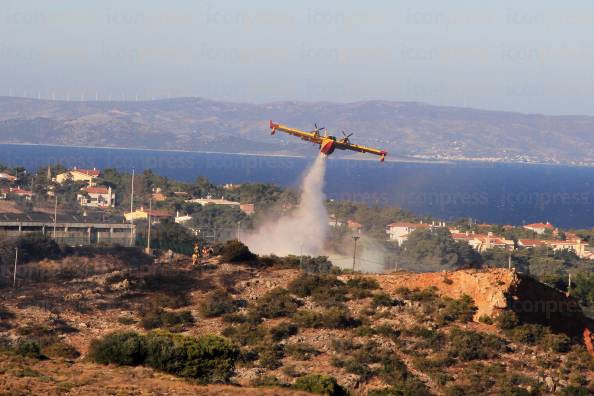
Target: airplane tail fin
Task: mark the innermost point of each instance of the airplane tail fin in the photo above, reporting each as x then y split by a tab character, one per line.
273	127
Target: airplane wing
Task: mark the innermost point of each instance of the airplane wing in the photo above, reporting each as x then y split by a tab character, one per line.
362	149
309	136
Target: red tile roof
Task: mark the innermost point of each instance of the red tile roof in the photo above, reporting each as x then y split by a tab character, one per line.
6	176
409	225
159	213
96	190
90	172
16	191
354	224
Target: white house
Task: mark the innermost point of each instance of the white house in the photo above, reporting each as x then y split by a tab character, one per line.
96	197
212	201
539	228
75	174
182	219
399	231
482	242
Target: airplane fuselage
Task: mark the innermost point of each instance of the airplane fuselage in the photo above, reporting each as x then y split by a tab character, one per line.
328	145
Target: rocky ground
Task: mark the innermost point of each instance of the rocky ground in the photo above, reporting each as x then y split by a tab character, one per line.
66	313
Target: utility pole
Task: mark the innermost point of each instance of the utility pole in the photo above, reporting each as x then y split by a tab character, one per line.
509	260
16	259
132	210
132	193
55	215
148	238
238	229
355	238
569	286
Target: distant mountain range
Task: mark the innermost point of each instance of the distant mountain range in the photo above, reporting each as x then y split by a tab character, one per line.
406	130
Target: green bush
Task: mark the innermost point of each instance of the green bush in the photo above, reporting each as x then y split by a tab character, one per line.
270	355
245	333
486	319
32	247
361	282
301	351
491	379
359	294
507	320
334	318
393	370
276	303
29	348
354	366
305	284
358	357
154	318
329	297
318	265
432	339
438	362
320	384
283	330
470	345
127	348
234	251
383	300
387	331
173	301
559	343
527	334
325	290
267	381
427	295
535	334
574	390
61	350
250	317
217	303
451	310
207	359
408	388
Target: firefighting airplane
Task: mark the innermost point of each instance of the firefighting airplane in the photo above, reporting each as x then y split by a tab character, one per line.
327	143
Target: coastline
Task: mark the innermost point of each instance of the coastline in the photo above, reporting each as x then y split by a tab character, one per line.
279	155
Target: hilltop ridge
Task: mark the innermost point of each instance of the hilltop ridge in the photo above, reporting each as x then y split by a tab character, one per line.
407	130
425	332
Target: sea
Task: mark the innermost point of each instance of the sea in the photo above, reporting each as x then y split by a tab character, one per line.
497	193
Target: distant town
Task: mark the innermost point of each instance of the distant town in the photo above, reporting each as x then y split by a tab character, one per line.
79	206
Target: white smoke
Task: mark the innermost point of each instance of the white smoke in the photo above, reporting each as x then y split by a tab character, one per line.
304	230
370	257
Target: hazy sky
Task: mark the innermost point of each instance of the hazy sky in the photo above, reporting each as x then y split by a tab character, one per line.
530	56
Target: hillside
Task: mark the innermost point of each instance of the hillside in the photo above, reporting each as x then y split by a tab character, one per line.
396	331
405	129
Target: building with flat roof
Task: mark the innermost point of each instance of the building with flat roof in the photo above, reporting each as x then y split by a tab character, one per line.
70	229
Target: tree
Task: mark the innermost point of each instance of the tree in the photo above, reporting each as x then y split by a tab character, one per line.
583	288
436	248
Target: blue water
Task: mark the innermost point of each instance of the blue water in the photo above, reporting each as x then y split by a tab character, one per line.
494	193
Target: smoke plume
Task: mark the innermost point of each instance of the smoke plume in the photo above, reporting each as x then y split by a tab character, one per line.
304	230
370	258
